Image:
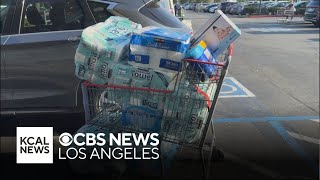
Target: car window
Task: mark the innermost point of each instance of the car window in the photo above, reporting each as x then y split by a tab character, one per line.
99	11
5	4
313	3
52	15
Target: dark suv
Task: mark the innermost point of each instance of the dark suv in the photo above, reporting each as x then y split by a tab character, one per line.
38	43
224	5
312	12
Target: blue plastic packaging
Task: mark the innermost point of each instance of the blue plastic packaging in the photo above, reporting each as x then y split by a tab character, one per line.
202	53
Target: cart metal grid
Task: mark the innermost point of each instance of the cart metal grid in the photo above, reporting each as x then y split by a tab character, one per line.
182	115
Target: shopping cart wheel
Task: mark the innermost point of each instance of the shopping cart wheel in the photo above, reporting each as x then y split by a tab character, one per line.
217	155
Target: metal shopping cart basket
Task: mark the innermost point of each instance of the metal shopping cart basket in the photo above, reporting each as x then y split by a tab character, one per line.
182	115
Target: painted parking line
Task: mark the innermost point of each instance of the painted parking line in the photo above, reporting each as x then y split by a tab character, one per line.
303	137
315	120
270	29
233	88
295	146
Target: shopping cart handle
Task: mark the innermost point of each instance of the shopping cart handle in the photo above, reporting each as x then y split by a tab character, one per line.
131	88
203	62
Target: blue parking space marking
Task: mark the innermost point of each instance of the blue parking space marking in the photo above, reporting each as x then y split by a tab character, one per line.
233	88
295	146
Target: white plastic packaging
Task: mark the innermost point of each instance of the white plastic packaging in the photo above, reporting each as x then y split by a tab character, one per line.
159	48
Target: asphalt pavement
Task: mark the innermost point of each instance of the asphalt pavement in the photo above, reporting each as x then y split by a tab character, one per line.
267	117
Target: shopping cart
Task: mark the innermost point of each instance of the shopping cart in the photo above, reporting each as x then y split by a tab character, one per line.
182	115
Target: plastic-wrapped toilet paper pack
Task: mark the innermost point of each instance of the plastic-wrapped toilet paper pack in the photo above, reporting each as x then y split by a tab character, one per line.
159	48
141	117
103	43
186	112
202	53
97	70
127	75
110	38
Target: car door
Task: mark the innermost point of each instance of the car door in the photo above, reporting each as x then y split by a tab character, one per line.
40	57
7	10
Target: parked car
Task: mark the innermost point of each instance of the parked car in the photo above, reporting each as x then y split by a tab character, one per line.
300	7
189	6
38	42
312	12
250	2
224	5
184	5
238	8
235	8
228	8
252	8
279	5
210	6
214	8
202	6
266	3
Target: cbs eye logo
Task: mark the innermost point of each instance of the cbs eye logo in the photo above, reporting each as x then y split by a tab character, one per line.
65	139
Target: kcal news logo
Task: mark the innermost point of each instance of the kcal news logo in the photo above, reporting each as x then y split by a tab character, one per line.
34	145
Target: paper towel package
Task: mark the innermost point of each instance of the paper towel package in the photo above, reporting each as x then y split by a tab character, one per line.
219	32
126	74
161	49
101	44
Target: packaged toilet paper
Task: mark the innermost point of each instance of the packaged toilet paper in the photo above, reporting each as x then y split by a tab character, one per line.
186	112
141	118
159	48
101	44
202	53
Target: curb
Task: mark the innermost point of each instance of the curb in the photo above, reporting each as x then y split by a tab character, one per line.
268	16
